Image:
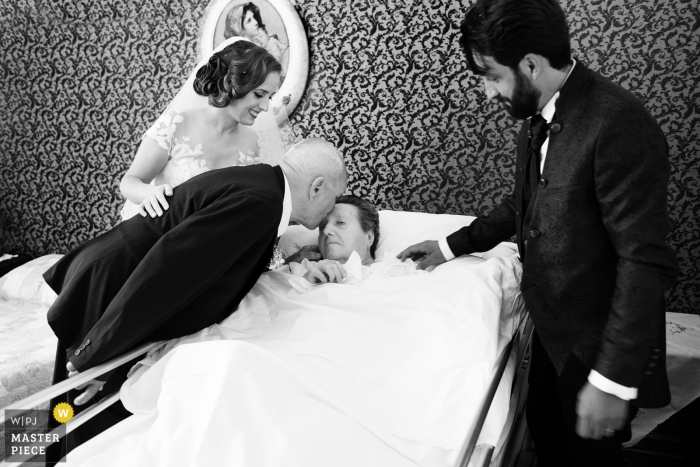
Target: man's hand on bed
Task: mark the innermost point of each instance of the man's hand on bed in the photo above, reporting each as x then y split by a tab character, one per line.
425	254
91	387
309	252
324	271
599	414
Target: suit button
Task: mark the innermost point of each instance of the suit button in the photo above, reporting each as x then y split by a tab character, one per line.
77	352
87	341
543	182
654	357
517	213
522	169
534	234
555	128
652	365
657	350
647	372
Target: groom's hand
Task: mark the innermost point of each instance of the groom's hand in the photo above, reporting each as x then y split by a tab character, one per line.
425	254
599	414
91	387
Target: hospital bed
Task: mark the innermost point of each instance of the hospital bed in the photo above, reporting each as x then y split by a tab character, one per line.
474	455
27	346
411	228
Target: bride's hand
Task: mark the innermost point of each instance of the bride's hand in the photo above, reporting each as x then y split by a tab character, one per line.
151	204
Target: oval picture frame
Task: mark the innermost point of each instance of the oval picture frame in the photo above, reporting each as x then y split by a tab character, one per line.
282	26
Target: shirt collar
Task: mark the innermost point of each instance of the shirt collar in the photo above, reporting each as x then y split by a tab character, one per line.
549	107
286	207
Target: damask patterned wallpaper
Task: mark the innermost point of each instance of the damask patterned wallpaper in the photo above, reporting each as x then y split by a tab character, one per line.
82	80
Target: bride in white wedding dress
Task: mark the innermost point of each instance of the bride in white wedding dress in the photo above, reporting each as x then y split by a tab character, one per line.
219	119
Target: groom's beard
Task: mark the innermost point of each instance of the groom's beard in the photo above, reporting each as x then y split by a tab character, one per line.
525	98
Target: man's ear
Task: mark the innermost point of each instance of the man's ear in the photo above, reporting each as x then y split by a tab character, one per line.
532	65
316	188
370	236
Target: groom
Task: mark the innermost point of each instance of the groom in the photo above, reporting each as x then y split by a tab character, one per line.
589	214
151	279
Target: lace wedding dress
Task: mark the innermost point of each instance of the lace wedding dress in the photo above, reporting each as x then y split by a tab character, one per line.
185	161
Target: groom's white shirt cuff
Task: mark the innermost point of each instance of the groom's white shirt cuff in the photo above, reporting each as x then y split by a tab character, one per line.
445	249
611	387
286	208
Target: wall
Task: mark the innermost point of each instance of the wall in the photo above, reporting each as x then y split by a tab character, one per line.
82	80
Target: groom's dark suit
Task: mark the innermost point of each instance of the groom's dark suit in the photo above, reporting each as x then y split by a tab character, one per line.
595	261
592	239
159	278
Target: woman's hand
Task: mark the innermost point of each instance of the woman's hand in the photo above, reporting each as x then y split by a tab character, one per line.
136	186
326	270
309	252
155	203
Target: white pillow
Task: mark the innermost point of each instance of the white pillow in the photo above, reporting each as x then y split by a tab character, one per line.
397	231
26	282
400	229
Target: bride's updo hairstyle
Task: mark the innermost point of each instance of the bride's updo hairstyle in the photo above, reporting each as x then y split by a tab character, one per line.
234	72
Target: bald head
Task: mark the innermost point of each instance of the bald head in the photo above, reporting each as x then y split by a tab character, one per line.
316	174
316	157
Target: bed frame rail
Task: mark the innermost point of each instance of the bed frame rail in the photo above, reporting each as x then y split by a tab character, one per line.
481	456
49	393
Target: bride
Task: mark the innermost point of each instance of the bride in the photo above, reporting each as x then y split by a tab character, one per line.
218	119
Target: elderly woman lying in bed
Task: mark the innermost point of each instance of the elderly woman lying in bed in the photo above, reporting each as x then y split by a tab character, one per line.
374	364
347	243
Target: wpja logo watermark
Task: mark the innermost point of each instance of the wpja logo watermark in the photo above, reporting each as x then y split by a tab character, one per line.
28	435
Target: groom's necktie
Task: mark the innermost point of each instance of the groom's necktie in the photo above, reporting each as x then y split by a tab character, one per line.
538	135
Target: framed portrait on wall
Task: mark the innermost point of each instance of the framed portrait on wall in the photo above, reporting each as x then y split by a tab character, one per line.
272	24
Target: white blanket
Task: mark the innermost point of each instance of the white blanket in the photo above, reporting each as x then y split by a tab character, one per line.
383	372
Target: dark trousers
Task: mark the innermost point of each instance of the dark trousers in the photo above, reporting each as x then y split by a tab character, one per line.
551	416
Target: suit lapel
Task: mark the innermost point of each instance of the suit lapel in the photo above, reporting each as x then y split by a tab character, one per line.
568	111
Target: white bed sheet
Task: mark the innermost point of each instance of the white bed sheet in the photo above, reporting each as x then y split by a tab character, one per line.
379	373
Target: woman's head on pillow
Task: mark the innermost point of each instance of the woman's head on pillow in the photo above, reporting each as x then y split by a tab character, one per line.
352	225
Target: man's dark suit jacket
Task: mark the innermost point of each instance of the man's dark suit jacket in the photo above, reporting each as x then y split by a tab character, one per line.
592	239
160	278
